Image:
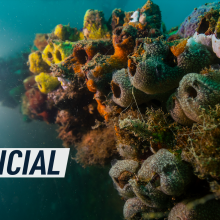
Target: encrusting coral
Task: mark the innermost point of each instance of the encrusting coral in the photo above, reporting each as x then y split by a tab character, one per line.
120	90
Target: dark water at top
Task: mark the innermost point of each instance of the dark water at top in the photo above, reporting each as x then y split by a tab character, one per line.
83	193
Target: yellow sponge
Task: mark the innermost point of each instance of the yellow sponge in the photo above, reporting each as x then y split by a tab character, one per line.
62	50
47	54
37	64
46	83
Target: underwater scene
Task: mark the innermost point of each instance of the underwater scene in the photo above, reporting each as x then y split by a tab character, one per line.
132	89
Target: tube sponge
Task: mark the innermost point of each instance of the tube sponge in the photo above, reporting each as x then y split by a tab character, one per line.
62	50
46	83
133	208
56	51
191	209
47	54
120	173
171	183
65	32
197	91
101	68
37	64
176	112
122	90
154	76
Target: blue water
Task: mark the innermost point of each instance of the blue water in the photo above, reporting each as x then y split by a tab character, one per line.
21	20
83	193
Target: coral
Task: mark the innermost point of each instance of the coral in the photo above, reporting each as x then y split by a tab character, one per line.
121	172
95	26
197	91
40	41
97	147
190	210
65	32
203	20
46	83
120	90
36	63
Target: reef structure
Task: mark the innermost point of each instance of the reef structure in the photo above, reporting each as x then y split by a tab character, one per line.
121	90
